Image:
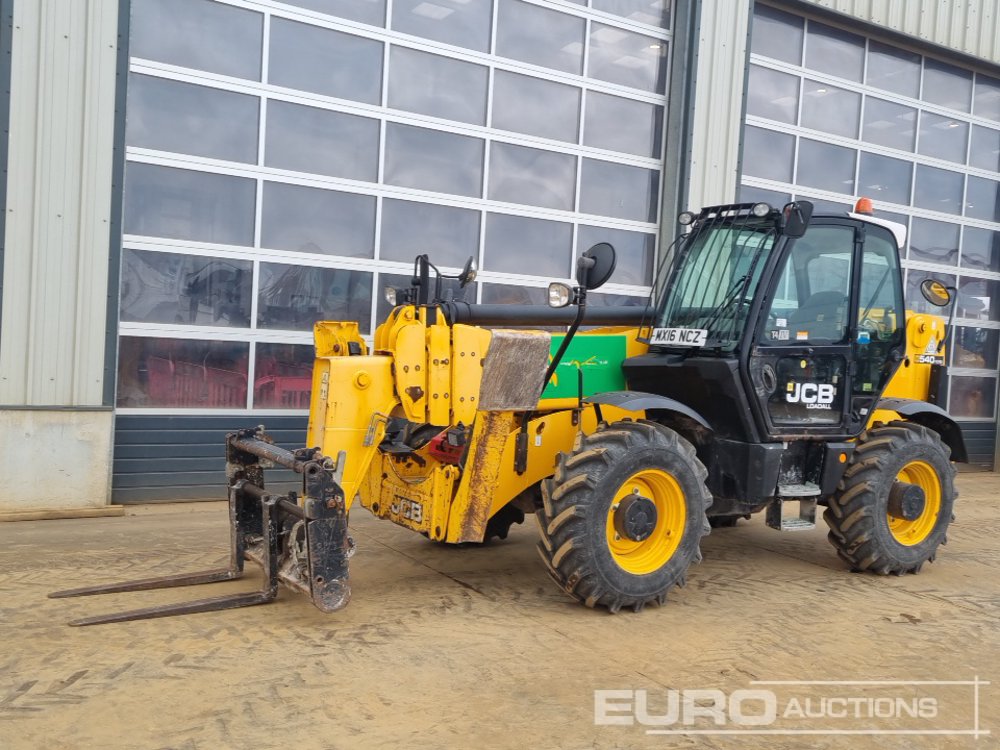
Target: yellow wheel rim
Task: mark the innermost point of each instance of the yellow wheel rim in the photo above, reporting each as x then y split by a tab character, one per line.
651	553
913	532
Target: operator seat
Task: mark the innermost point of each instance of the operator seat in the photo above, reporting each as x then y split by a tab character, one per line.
823	316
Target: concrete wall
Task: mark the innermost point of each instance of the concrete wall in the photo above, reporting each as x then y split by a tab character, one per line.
53	328
54	459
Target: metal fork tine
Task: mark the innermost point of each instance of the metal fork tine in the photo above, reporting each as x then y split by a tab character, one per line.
232	601
145	584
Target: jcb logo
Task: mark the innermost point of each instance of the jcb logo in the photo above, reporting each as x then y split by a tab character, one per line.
409	509
813	395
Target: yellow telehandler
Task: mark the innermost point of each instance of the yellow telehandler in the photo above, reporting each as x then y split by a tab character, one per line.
775	363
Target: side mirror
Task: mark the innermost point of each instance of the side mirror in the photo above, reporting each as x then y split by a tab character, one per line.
560	294
468	274
594	267
795	218
935	292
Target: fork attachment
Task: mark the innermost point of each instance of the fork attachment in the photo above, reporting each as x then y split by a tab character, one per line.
301	545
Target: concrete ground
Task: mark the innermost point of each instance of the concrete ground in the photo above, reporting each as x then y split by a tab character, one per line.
475	647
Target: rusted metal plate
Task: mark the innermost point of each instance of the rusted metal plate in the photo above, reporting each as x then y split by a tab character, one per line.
514	370
471	509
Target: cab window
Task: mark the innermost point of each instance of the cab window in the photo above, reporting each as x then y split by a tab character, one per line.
811	300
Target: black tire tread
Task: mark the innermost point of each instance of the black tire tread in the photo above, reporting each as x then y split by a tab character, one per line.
850	513
568	489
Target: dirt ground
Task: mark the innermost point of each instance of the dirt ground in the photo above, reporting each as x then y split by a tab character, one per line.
475	647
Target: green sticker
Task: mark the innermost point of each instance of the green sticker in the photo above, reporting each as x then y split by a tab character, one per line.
600	359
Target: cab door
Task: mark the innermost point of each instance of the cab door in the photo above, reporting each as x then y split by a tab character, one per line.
830	330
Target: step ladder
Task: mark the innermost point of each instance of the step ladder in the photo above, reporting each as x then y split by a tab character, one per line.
805	494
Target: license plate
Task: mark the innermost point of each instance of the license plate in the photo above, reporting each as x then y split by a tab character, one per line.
679	336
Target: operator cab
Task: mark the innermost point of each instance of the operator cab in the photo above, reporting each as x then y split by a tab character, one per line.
774	324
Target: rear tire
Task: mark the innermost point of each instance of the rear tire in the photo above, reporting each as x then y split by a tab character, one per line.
867	536
584	542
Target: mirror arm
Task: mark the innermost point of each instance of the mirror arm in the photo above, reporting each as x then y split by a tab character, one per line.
951	317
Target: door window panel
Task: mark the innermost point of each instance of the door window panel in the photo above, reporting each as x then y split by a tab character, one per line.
624	125
890	124
310	220
893	69
825	166
978	299
282	376
834	51
975	348
534	106
984	152
198	34
973	397
519	174
448	234
630	59
982	199
431	160
938	189
295	297
540	36
653	12
188	119
810	303
458	22
325	61
777	34
307	139
773	95
186	289
885	179
518	244
881	315
182	373
619	190
827	108
943	137
981	249
437	86
947	85
987	97
934	241
183	204
768	154
366	11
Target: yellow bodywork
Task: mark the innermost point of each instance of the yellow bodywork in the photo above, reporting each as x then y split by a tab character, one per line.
912	380
430	372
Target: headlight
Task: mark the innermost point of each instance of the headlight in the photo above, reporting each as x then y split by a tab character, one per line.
390	295
760	210
685	218
559	294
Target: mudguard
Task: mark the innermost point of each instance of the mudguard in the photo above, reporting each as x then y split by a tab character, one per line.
933	417
639	401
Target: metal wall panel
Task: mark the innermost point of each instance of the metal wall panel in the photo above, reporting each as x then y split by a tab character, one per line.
971	27
52	341
718	105
162	458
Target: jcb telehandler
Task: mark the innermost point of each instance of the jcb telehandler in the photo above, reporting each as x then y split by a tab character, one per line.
775	363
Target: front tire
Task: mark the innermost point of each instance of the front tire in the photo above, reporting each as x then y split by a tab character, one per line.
868	526
623	515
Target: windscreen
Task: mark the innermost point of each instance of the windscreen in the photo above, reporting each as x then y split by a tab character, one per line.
709	286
